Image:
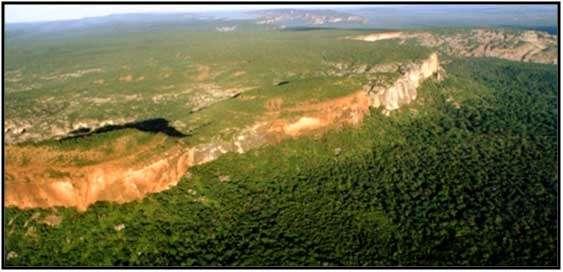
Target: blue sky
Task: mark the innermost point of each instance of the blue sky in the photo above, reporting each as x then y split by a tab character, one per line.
34	13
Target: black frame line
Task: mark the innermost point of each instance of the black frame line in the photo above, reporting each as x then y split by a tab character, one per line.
293	2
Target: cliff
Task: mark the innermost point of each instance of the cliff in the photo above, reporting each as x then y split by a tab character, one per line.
33	180
39	183
525	46
404	89
80	187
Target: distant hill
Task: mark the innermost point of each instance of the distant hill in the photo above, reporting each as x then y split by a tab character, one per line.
536	17
293	17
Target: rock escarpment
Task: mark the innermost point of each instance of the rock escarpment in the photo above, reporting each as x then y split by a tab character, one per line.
41	184
404	89
525	46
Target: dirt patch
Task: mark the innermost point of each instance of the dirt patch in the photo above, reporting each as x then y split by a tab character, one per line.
119	227
100	100
303	124
274	104
247	97
203	73
239	73
379	36
132	97
312	116
126	78
52	220
350	110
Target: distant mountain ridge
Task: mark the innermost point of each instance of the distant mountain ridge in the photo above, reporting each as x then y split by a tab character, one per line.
307	17
535	17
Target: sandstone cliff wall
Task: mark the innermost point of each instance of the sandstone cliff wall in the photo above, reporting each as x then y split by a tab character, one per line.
121	182
31	186
404	89
84	186
80	187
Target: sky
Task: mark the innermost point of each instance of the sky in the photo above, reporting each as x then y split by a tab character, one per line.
45	12
38	13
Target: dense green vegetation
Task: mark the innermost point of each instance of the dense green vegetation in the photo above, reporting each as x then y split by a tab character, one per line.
437	183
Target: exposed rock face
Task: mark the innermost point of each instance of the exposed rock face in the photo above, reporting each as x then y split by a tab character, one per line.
29	185
346	69
348	110
81	187
403	90
526	46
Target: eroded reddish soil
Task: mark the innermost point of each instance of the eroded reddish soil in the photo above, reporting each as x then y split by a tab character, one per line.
39	177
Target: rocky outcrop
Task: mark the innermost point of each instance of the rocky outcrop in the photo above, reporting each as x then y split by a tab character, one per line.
404	89
81	187
347	69
17	131
525	46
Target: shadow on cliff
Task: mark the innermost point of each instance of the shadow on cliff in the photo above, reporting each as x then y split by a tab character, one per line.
156	125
